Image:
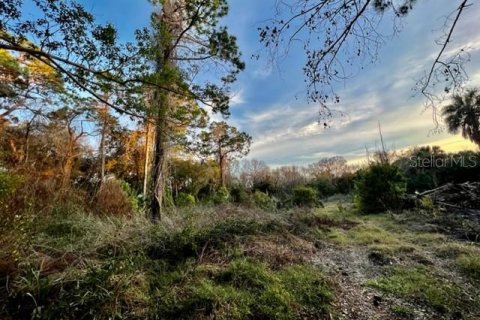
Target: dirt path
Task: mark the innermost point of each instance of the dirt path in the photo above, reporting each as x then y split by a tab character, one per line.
349	268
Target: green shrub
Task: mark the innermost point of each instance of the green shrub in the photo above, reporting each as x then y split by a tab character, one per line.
378	188
112	199
221	196
132	195
185	200
262	200
324	187
345	183
8	184
239	195
305	196
427	205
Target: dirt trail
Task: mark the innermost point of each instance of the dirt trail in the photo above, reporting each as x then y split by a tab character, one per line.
349	268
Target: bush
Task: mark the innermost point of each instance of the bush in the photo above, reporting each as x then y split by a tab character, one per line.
305	196
221	196
133	197
112	199
238	194
185	200
262	200
378	188
8	184
324	187
345	183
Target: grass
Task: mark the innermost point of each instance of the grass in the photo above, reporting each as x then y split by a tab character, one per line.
224	263
242	289
469	265
82	266
419	283
403	312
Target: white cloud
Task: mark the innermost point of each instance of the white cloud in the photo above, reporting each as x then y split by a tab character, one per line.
287	132
237	98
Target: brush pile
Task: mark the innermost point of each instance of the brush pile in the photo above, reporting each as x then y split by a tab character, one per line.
461	198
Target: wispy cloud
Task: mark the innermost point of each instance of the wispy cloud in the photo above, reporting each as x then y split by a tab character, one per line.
285	128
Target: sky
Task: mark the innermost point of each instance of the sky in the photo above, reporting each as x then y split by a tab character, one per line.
270	103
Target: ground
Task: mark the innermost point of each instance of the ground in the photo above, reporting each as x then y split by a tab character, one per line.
235	262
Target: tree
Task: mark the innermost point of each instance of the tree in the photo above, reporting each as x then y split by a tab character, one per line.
190	176
340	38
67	128
251	172
463	114
186	44
379	187
65	38
25	82
225	143
328	168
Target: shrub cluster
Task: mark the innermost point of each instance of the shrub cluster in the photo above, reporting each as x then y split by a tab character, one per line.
379	187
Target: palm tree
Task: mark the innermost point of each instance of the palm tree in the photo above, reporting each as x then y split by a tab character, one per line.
464	114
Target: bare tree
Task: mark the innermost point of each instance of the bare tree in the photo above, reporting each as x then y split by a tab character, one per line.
342	37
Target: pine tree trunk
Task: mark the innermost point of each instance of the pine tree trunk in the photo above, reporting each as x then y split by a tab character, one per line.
147	160
102	149
67	170
159	160
162	103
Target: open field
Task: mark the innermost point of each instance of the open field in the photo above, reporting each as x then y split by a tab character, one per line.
230	262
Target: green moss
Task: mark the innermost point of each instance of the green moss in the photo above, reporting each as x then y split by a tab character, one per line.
469	265
363	234
250	274
308	286
455	249
370	234
420	284
245	288
403	312
205	299
275	302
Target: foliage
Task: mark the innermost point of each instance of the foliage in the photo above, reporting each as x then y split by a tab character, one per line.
428	167
305	196
222	195
239	195
225	143
264	201
463	114
427	204
113	199
324	187
8	184
185	200
191	176
379	187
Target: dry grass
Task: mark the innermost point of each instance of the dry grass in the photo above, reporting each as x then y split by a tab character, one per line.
112	200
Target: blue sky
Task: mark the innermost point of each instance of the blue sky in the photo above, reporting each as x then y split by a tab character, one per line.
270	103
